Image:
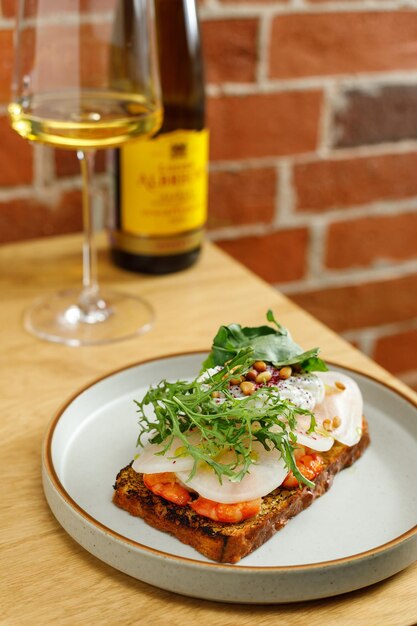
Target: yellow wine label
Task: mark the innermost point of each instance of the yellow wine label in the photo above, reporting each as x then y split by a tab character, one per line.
164	184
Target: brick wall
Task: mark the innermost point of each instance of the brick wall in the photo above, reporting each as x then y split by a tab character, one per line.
313	116
312	106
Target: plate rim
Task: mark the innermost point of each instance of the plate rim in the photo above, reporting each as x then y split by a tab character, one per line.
48	466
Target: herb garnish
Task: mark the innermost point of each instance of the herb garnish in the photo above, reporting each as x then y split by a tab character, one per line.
230	425
274	345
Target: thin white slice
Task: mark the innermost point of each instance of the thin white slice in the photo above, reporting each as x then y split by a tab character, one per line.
265	475
346	404
148	461
314	440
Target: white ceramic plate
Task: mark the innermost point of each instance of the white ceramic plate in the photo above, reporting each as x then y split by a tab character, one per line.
360	532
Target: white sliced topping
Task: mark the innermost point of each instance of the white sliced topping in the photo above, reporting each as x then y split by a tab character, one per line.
149	461
338	411
265	475
314	440
342	407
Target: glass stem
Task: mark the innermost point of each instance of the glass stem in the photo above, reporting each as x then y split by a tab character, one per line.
90	280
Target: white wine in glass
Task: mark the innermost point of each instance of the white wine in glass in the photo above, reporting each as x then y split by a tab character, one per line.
69	92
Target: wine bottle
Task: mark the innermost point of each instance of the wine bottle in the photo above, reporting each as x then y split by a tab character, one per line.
161	183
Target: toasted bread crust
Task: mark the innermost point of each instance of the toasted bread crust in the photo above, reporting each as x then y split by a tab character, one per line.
223	542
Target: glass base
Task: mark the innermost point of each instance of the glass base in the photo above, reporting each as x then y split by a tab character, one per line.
72	318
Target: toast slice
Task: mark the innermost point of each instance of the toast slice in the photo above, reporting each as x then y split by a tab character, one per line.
223	542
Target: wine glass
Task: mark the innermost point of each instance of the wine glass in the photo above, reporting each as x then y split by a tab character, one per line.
85	78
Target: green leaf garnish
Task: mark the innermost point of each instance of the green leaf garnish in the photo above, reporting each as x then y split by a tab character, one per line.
274	345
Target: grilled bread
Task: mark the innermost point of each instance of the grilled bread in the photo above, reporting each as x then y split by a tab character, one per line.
225	542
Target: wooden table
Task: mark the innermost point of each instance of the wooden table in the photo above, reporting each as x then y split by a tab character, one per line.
47	578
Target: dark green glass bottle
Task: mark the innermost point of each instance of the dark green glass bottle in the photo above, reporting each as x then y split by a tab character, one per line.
161	183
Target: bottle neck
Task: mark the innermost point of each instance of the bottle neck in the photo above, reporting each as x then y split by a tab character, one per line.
180	55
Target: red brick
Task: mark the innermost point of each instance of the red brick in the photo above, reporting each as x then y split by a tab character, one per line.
56	48
339	43
6	64
66	162
31	218
230	50
387	114
263	125
242	197
277	258
367	304
368	240
8	8
398	352
325	185
16	157
59	36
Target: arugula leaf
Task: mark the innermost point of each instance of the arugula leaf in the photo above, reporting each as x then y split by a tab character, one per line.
274	345
185	406
181	407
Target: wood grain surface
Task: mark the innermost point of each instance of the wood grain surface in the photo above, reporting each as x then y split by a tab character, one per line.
47	578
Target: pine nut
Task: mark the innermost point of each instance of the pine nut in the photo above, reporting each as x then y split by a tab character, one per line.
327	424
285	372
215	394
233	369
263	377
247	387
259	366
340	385
251	375
236	381
336	421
